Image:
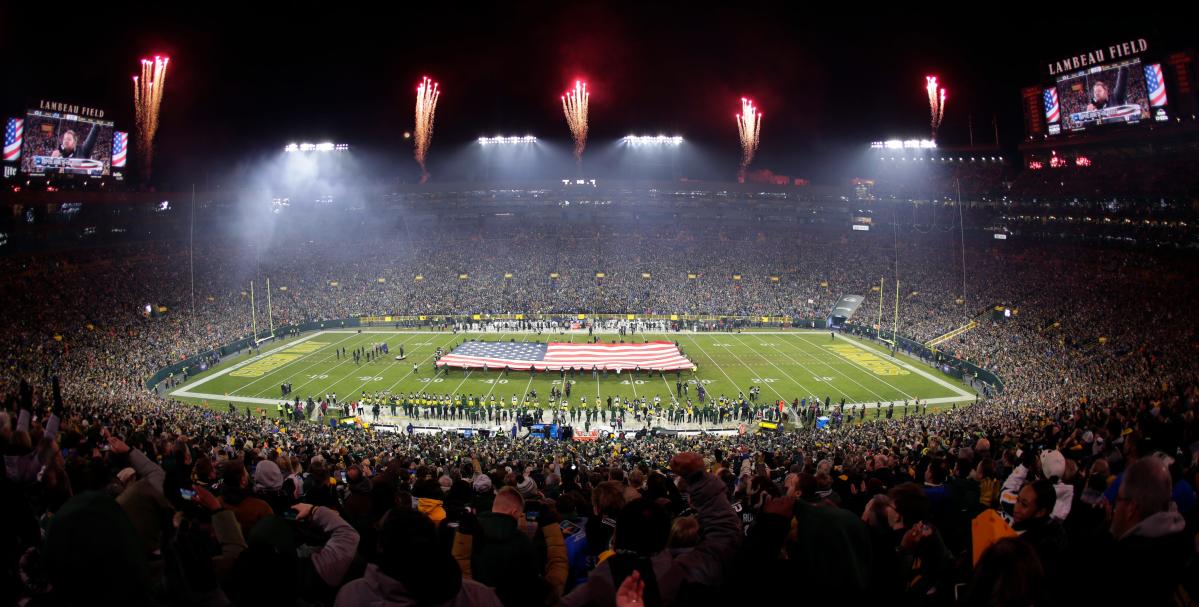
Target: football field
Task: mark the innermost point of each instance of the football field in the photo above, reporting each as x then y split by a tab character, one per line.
784	365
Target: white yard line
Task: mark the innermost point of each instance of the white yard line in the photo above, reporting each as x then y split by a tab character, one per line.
429	357
842	373
243	363
909	367
385	369
726	375
324	359
344	361
789	376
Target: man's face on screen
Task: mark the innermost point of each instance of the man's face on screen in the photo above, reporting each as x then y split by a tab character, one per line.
1099	92
68	141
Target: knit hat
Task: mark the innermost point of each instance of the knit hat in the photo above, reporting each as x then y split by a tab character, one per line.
1053	464
481	484
527	487
267	476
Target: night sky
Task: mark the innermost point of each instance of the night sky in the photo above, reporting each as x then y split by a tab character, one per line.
246	81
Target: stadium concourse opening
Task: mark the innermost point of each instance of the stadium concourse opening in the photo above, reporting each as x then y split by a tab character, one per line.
564	356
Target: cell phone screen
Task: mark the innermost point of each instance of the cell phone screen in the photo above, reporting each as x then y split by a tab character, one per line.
187	494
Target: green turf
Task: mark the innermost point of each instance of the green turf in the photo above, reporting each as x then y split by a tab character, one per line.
786	365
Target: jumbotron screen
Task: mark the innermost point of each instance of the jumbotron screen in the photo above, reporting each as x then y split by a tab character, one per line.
1115	93
66	144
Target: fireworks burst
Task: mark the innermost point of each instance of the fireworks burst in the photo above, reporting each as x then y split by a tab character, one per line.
936	103
147	101
574	105
749	127
426	104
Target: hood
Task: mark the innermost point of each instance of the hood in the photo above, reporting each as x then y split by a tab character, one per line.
267	476
1158	525
498	526
92	550
431	508
390	590
446	587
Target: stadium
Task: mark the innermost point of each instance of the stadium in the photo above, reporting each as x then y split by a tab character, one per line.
584	344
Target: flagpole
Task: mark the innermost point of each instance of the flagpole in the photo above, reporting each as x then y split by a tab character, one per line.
881	296
895	327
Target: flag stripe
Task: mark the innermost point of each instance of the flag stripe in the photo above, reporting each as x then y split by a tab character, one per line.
14	133
649	356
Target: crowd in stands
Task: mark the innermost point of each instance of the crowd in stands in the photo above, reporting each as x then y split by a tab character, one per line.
1075	484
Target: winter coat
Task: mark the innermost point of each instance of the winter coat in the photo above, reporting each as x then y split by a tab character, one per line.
498	553
704	566
377	589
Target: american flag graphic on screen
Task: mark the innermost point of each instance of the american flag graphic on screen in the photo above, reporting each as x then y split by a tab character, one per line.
14	134
120	149
1053	111
1156	83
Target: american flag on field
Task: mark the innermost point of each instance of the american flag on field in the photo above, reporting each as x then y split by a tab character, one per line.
1156	83
14	134
554	356
1053	111
120	148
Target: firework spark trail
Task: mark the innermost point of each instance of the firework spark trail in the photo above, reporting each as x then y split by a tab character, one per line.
574	105
147	101
426	104
936	103
749	128
941	109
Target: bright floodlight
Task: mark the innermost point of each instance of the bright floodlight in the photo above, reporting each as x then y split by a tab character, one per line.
500	140
652	140
897	144
316	147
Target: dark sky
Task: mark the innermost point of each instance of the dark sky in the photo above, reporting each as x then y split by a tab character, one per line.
245	80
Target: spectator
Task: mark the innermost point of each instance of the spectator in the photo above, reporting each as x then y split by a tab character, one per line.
497	552
414	569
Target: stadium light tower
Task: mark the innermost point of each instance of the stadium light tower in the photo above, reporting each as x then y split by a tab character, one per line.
327	146
501	140
652	140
